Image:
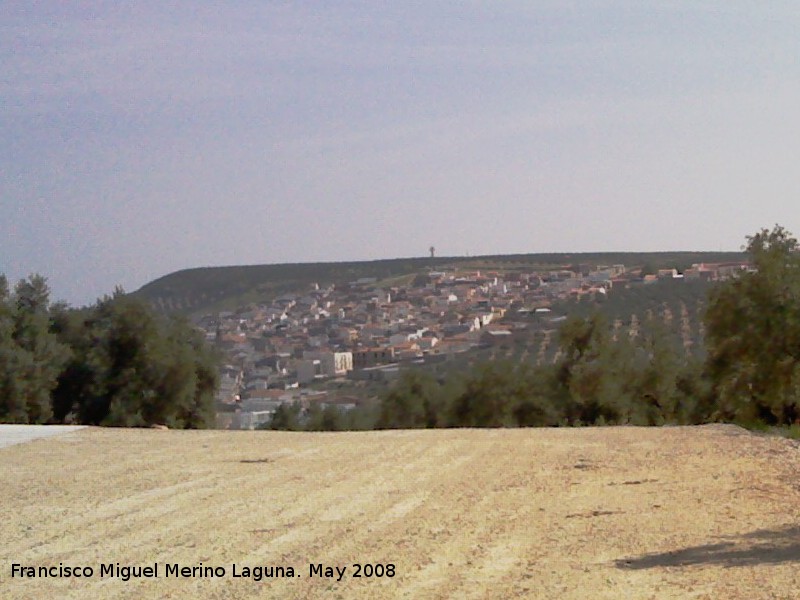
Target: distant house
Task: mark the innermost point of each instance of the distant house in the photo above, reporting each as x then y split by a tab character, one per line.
275	314
269	395
495	336
376	373
453	346
261	404
331	363
668	274
369	357
251	420
308	371
406	351
257	383
484	317
427	341
371	332
453	329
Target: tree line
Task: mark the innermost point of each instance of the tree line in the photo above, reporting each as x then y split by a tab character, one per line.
599	379
113	363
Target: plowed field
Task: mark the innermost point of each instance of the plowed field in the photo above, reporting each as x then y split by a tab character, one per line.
709	512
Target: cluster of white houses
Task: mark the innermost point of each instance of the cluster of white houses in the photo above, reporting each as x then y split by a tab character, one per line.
360	331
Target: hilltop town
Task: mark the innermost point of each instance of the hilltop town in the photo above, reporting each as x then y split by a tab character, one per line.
366	331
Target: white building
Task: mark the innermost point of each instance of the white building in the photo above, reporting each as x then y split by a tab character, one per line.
331	364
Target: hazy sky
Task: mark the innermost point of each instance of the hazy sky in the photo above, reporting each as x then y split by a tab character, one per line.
141	139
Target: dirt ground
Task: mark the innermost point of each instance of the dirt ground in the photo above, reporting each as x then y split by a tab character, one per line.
707	512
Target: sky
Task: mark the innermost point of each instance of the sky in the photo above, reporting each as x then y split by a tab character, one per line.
137	139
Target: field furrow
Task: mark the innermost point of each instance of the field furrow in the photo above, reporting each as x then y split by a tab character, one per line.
701	512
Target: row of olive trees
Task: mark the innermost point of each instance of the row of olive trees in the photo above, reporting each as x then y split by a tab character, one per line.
751	374
644	381
114	363
293	417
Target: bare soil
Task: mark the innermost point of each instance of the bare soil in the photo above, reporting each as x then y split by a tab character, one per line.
705	512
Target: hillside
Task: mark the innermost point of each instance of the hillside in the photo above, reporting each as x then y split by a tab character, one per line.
206	288
708	512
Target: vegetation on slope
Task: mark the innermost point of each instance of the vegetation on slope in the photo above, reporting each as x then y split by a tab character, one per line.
212	288
115	363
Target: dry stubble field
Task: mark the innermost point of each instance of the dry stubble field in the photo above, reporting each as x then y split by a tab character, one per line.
708	512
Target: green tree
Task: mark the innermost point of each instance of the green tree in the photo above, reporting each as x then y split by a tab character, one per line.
13	408
287	417
132	367
412	402
116	363
363	417
77	376
490	396
332	418
535	406
31	356
313	418
657	364
648	268
589	375
753	334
